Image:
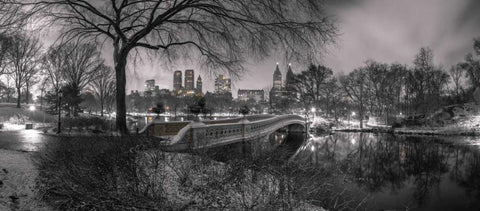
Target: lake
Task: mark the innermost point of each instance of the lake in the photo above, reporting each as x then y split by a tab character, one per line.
387	172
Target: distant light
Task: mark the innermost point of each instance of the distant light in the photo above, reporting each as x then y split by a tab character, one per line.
313	109
353	141
289	64
312	148
31	108
277	63
353	113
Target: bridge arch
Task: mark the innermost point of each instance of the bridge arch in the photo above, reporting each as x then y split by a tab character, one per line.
197	135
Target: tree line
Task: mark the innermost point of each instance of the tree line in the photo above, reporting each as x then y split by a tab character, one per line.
389	90
76	70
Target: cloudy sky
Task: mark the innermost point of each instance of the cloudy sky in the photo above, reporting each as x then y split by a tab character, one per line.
382	30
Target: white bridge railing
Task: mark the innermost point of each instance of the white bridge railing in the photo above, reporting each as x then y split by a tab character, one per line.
200	135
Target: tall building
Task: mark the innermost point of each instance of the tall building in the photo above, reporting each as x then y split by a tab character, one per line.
223	85
199	85
254	94
189	80
290	83
277	79
177	80
150	85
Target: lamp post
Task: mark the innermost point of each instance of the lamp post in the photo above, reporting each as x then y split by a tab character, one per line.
60	93
353	115
313	110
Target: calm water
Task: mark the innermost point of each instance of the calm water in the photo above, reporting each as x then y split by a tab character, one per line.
398	172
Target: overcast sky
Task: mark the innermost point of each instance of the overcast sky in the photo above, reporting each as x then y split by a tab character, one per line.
382	30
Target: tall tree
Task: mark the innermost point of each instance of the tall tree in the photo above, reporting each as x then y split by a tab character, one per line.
53	63
355	86
104	85
23	60
311	83
472	65
222	34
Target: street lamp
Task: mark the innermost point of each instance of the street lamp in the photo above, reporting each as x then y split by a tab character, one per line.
313	110
60	93
353	116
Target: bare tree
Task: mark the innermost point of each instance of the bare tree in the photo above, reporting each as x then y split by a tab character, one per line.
104	85
310	84
471	65
54	63
354	85
82	63
456	74
222	34
23	61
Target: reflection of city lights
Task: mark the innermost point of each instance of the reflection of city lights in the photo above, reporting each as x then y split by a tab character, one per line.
313	148
31	108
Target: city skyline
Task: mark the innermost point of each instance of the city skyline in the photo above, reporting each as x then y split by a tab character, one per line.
447	27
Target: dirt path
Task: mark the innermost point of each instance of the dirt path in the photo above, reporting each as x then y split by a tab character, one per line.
17	182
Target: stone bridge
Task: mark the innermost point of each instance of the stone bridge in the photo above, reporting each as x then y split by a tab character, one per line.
184	135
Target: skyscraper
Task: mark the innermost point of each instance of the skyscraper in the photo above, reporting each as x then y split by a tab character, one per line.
223	85
199	85
150	85
177	80
277	79
290	82
189	80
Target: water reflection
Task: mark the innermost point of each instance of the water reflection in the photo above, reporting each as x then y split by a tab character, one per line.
400	172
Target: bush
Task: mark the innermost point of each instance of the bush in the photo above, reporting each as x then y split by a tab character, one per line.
132	174
97	122
95	174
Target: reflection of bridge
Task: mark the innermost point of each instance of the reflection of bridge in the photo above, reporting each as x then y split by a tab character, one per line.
206	134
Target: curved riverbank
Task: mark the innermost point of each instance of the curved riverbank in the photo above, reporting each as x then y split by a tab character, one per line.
434	131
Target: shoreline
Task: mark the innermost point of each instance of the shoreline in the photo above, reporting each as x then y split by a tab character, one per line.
432	131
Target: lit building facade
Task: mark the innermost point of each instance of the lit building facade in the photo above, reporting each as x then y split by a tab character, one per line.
177	80
189	80
277	79
290	83
199	85
254	94
223	85
150	85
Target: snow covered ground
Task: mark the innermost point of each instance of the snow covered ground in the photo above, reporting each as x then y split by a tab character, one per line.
17	182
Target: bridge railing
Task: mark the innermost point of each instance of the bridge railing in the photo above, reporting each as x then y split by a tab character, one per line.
199	134
213	133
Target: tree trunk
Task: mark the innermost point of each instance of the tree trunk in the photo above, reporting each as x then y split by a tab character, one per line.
101	107
18	97
120	59
26	95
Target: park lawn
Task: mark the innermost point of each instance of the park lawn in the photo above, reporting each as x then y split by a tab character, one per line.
12	115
